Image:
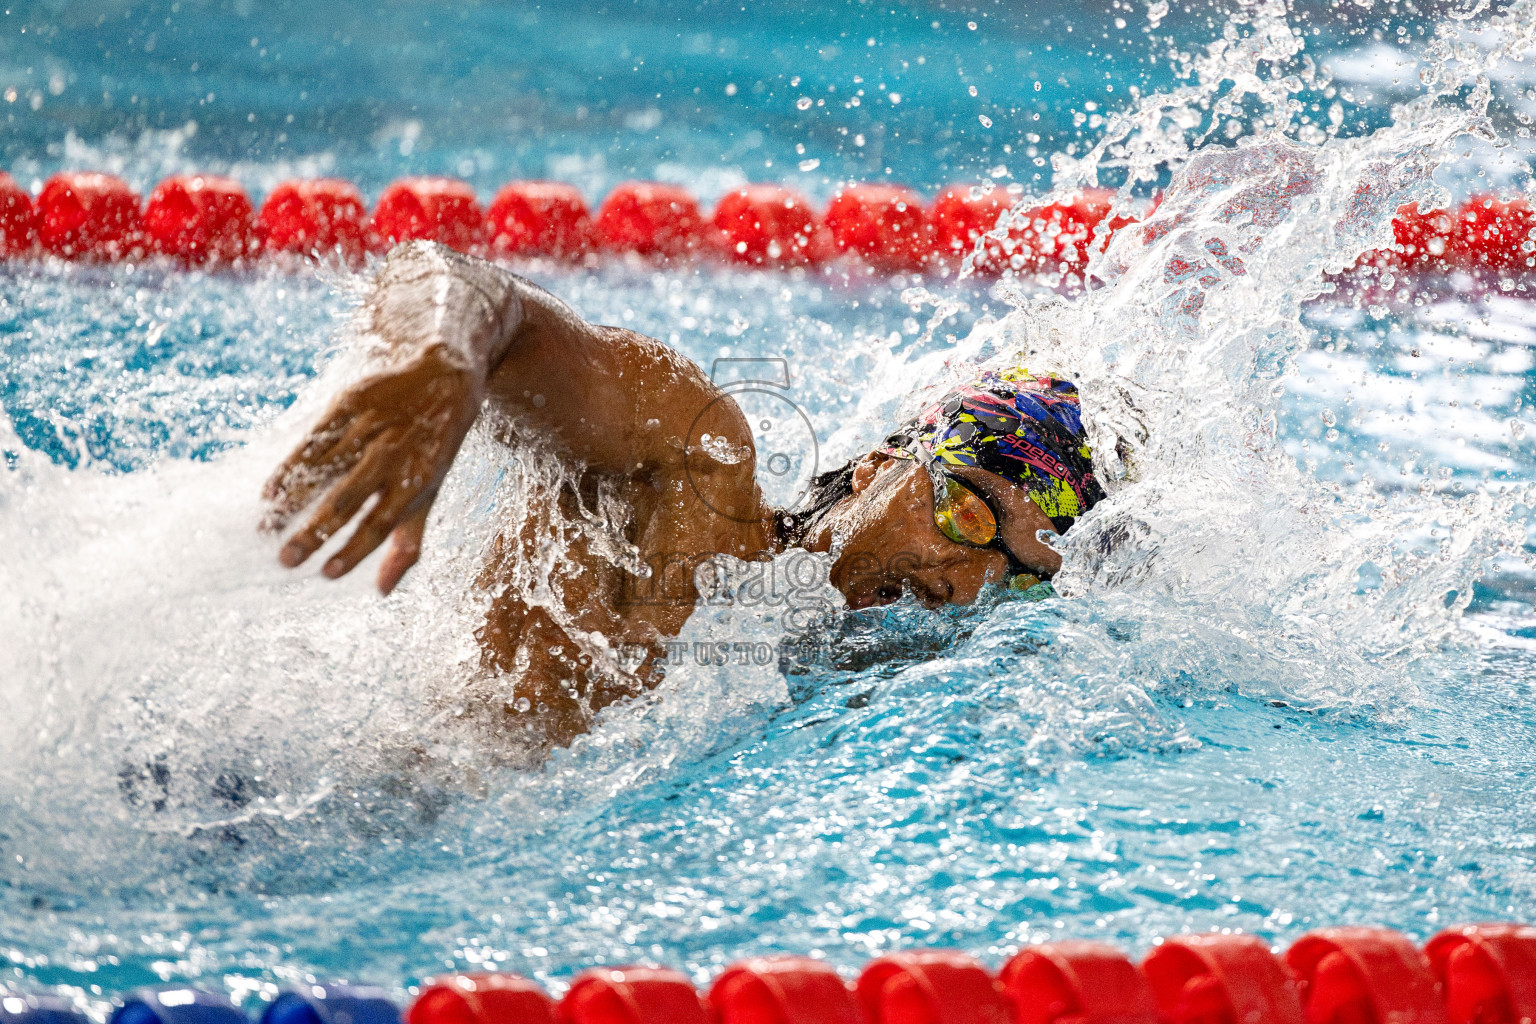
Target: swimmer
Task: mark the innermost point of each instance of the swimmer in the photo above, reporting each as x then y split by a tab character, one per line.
947	503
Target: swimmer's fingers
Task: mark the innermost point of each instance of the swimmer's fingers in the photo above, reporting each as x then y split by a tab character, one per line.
404	549
398	505
321	438
325	455
340	505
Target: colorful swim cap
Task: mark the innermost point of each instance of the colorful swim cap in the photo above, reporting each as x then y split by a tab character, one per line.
1026	429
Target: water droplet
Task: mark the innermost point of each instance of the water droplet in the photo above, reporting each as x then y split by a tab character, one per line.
803	103
1328	418
986	122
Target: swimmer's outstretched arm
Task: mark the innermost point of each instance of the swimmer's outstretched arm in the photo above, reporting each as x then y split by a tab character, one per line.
454	332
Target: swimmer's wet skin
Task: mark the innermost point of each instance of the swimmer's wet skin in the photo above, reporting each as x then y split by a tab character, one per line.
948	503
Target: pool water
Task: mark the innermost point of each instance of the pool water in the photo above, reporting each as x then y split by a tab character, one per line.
1295	690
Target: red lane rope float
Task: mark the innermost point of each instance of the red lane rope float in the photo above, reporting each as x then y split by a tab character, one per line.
436	209
1483	232
1422	238
200	218
1077	983
1495	234
1365	976
1487	972
885	225
205	218
1058	236
324	215
963	213
783	990
1221	979
481	999
540	218
770	225
930	986
1477	974
18	224
632	995
87	216
651	219
1049	238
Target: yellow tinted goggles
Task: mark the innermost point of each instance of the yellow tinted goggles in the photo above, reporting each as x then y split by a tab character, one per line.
961	514
966	517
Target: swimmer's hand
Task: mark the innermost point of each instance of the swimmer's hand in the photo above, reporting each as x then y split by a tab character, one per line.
393	435
457	332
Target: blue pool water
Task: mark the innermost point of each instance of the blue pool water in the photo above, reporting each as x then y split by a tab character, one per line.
1298	693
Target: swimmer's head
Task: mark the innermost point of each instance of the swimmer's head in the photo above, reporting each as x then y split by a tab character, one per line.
957	498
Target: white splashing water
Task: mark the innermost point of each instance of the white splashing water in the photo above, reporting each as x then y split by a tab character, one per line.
1212	529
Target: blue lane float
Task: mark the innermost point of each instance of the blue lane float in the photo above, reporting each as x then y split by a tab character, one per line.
332	1004
19	1009
180	1005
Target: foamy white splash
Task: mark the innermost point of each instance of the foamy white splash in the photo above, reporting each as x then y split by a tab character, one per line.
1185	345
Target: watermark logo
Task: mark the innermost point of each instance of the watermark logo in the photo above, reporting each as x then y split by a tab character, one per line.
782	435
794	586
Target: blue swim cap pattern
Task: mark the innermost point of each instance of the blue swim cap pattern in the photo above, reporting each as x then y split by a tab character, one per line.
1024	428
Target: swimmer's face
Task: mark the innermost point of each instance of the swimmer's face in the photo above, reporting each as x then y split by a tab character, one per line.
891	544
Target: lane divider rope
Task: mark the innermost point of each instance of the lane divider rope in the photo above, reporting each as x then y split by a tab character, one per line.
208	220
1473	974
